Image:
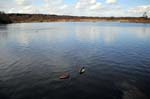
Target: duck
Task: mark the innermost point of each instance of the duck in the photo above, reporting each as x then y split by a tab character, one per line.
64	76
82	70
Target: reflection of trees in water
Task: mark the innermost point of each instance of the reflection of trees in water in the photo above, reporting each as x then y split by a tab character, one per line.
3	32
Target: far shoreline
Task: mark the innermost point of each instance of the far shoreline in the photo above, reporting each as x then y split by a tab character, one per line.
82	21
30	18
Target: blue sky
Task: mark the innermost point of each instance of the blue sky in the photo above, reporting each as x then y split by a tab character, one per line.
78	7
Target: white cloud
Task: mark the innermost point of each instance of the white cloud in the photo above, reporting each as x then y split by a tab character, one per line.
111	1
29	9
80	8
63	7
82	4
92	1
96	6
88	4
23	2
139	10
48	7
26	9
54	2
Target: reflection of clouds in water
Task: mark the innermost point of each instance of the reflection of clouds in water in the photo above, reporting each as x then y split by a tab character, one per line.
109	34
87	33
95	33
42	34
52	32
141	32
23	39
110	37
55	35
136	31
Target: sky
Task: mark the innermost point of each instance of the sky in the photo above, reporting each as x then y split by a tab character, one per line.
101	8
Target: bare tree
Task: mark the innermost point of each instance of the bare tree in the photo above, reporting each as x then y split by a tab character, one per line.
145	15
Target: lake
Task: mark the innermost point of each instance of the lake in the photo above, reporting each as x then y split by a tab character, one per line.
116	57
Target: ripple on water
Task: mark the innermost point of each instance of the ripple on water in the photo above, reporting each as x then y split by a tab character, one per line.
115	55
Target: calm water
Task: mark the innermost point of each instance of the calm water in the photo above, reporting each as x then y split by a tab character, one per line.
116	57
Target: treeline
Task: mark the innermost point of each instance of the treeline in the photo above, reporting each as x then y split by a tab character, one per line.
21	18
4	18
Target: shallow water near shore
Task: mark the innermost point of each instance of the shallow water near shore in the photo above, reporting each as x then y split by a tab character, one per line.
116	57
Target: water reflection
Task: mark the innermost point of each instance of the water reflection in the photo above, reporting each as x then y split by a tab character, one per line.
109	34
87	33
3	32
95	33
116	56
23	39
84	32
142	32
110	38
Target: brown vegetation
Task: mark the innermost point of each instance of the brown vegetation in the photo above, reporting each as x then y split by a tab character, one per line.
55	18
19	18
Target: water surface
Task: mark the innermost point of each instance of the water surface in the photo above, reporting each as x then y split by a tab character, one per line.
116	57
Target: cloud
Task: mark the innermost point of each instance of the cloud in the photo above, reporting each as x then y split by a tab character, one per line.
23	2
92	1
56	7
88	4
96	6
48	7
29	9
63	7
139	10
79	8
81	4
54	2
25	9
111	1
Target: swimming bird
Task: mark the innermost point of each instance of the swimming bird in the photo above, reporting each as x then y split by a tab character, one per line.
82	70
64	76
